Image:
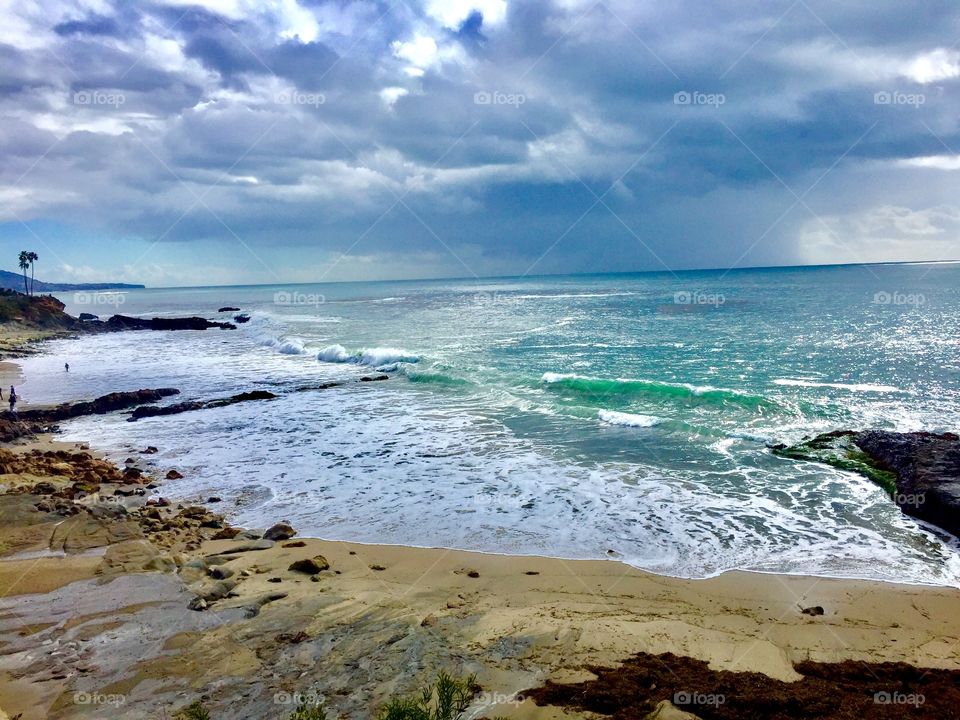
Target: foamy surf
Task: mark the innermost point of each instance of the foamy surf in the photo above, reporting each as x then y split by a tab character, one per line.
286	346
612	417
379	357
852	387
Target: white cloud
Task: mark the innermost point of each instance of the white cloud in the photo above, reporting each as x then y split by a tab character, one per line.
420	52
935	66
390	95
934	162
885	233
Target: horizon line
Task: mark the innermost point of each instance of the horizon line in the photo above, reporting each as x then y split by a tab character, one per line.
798	266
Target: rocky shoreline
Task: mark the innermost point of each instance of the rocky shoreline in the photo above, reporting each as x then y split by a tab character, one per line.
920	470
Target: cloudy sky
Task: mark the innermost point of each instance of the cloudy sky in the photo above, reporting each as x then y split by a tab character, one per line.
186	142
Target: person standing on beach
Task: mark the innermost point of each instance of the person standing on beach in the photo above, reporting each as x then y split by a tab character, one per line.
13	399
66	367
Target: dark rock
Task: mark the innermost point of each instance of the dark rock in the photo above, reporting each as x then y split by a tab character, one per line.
213	499
177	408
816	610
293	638
198	603
310	566
241	319
132	474
280	531
173	475
88	316
228	533
221	573
295	544
374	378
228	309
150	450
44	488
100	406
124	322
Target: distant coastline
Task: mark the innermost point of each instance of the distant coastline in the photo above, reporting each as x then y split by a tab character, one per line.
14	281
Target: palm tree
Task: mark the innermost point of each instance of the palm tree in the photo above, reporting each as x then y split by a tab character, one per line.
32	257
24	264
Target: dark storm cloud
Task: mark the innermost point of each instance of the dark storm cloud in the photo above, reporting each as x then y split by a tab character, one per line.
654	133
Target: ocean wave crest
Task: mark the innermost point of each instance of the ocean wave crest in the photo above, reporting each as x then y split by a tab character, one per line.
385	358
285	345
652	389
612	417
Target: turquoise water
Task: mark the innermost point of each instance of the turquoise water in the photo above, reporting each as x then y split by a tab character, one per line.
580	416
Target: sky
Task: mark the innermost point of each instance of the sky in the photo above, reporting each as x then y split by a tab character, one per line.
209	142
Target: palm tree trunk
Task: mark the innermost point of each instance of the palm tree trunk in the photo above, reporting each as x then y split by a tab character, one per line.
31	278
26	288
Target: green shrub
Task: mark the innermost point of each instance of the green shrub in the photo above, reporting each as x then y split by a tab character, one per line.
309	711
194	711
445	699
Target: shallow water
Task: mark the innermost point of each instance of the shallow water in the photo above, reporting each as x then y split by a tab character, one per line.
586	416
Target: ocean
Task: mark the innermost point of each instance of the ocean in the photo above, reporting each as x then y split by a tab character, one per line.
609	416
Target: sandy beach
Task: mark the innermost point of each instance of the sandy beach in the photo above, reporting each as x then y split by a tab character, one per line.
118	604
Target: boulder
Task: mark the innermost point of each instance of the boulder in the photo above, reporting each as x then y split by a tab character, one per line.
310	566
280	531
228	309
85	317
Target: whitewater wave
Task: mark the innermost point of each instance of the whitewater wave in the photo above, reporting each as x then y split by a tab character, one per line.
853	387
385	358
655	390
285	345
612	417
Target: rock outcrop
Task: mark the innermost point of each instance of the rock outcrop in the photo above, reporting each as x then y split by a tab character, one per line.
152	411
100	406
920	470
125	322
